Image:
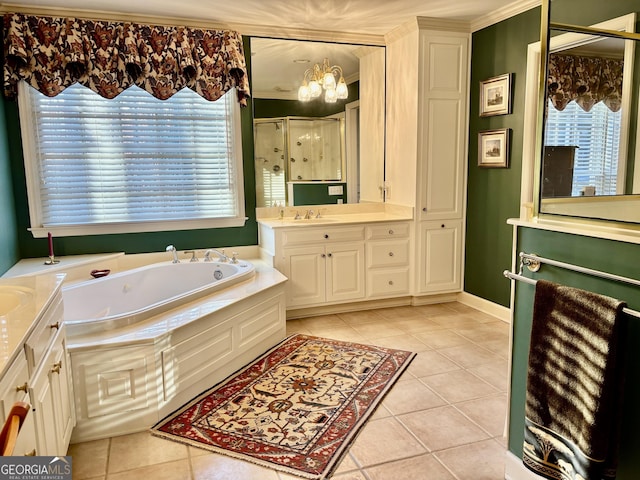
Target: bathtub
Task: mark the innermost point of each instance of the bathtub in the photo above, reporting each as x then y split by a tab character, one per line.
131	296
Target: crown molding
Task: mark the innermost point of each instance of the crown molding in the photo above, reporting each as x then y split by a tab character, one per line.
504	13
444	24
401	31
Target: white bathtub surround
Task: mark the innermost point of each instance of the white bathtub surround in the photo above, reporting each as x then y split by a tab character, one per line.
129	377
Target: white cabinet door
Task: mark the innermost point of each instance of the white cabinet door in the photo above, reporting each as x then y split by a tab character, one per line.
443	123
305	269
440	256
51	399
345	272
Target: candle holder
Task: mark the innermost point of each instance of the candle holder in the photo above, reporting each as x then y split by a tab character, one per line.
52	260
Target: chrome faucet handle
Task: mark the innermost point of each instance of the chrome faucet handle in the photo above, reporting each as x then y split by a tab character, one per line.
297	217
234	257
207	256
318	214
193	255
173	250
307	215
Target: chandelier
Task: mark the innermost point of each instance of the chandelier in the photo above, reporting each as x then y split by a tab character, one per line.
323	77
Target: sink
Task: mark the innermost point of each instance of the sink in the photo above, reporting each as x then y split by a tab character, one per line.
13	297
314	220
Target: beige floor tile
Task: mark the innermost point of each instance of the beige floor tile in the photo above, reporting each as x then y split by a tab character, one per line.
411	396
347	464
437	310
494	373
377	330
142	449
89	459
350	476
338	332
430	363
485	332
438	339
417	325
196	452
489	412
178	470
396	313
479	461
365	316
422	467
458	386
220	467
455	321
469	355
402	342
368	449
442	428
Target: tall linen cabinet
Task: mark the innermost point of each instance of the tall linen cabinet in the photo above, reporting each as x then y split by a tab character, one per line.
426	149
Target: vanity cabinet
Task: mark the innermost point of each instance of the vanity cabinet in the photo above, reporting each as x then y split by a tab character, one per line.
323	265
14	387
328	265
39	375
388	252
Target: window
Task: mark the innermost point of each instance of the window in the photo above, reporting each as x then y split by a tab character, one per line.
131	164
597	135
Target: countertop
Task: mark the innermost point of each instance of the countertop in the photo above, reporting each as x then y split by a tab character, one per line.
334	220
23	300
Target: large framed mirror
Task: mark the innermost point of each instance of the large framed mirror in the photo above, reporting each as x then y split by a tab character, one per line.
317	151
587	153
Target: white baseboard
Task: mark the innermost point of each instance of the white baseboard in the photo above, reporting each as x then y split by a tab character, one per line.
514	469
485	306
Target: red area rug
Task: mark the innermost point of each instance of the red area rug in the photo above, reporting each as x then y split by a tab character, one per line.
295	409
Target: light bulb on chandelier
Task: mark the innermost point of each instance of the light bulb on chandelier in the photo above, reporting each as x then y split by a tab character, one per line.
323	77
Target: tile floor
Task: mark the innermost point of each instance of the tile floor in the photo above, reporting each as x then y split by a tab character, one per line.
443	420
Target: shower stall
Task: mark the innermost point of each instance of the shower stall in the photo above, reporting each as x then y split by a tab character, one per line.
297	150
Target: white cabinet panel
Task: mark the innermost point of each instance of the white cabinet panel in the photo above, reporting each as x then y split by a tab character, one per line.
345	272
305	269
441	257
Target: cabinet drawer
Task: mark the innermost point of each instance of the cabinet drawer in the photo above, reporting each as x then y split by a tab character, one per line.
301	236
44	332
388	254
387	230
388	282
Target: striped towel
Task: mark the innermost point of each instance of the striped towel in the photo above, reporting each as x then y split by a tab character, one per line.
574	384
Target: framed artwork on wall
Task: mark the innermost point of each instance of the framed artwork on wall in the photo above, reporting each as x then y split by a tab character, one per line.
493	148
495	96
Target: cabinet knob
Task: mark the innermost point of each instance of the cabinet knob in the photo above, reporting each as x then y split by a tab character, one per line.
322	255
326	235
390	232
56	367
442	226
390	282
22	388
391	254
424	209
55	325
32	453
329	254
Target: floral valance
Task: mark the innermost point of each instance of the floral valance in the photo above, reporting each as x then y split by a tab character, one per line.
108	57
586	80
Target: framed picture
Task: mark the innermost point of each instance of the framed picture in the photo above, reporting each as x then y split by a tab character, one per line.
495	96
493	148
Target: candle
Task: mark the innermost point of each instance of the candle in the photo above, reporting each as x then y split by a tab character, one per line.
50	245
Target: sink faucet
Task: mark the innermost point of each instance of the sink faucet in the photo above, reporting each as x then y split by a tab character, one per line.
307	215
221	256
173	250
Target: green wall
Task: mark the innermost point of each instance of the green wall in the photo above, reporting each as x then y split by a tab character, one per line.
493	195
23	245
605	255
9	251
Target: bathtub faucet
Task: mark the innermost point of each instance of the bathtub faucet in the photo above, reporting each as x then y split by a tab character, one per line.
173	250
221	256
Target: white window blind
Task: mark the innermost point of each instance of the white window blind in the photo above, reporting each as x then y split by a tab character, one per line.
597	136
133	163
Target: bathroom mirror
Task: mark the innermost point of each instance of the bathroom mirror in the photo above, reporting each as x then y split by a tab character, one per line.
587	136
317	152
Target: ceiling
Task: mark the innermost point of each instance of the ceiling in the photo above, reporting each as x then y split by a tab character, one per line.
374	17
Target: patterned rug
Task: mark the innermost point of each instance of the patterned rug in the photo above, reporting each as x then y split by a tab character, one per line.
295	409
